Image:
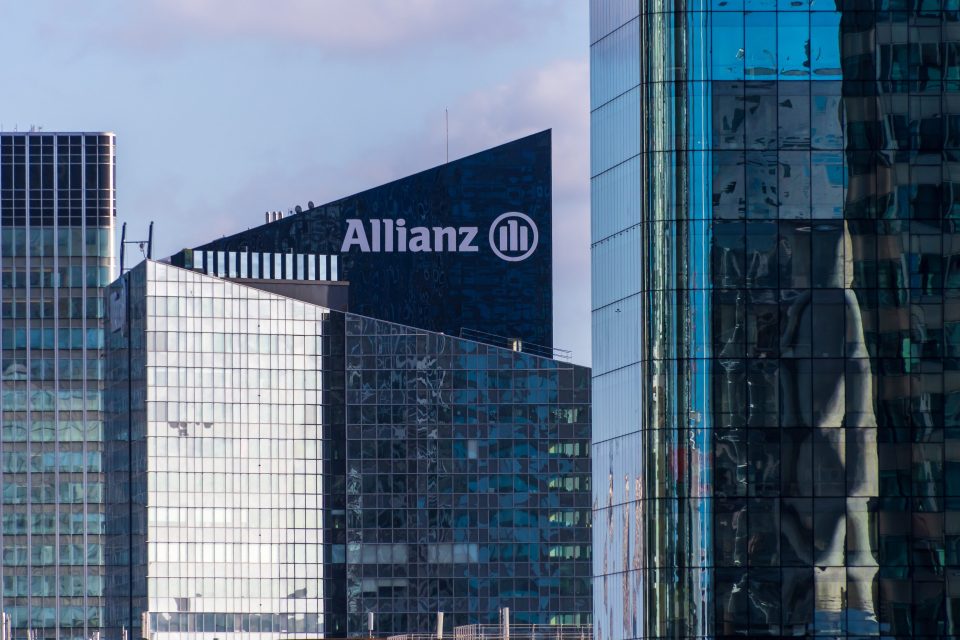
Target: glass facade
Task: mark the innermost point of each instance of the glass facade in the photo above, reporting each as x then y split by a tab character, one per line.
467	471
56	221
278	468
215	510
425	254
775	305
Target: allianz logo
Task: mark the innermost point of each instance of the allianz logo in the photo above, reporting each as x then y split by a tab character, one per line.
512	237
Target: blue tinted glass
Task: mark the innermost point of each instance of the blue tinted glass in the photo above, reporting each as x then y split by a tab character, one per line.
761	44
728	51
793	39
825	44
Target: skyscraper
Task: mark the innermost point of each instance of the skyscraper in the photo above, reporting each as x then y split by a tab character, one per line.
424	250
56	253
279	469
776	389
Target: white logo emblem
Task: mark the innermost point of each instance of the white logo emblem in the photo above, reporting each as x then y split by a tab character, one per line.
514	236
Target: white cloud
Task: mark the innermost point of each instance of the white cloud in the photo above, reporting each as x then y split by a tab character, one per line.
336	27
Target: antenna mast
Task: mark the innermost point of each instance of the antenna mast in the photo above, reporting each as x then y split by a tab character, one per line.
446	115
146	246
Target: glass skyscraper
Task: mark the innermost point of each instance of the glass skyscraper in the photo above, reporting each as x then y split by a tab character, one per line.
56	222
776	294
213	458
423	250
279	469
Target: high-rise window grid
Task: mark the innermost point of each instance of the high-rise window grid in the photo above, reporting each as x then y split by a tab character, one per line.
438	473
773	187
56	220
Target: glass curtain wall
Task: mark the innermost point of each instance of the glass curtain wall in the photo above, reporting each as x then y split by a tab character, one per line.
652	438
467	483
775	296
616	233
56	254
271	462
216	459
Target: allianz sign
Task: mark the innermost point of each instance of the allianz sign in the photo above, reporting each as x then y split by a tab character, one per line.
513	237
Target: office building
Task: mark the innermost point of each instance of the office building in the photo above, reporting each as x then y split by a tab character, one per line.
56	254
277	468
460	248
776	306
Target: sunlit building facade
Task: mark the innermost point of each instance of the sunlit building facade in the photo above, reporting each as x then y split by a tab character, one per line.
279	469
776	294
57	215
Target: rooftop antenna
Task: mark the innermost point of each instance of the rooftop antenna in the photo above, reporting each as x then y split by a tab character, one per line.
145	246
446	115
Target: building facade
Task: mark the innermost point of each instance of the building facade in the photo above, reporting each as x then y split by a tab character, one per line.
279	468
775	384
465	246
57	214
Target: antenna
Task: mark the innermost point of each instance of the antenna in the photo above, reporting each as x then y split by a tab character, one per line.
446	115
145	246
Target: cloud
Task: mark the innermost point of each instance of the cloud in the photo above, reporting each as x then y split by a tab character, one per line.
334	27
555	96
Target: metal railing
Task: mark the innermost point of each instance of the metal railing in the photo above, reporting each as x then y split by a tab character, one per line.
516	632
515	344
524	632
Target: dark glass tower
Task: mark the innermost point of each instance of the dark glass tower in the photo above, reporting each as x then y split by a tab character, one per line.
425	250
56	253
777	393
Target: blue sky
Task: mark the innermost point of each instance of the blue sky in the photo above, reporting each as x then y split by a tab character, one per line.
224	109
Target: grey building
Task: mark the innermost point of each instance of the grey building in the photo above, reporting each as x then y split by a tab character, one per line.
776	395
277	468
56	221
